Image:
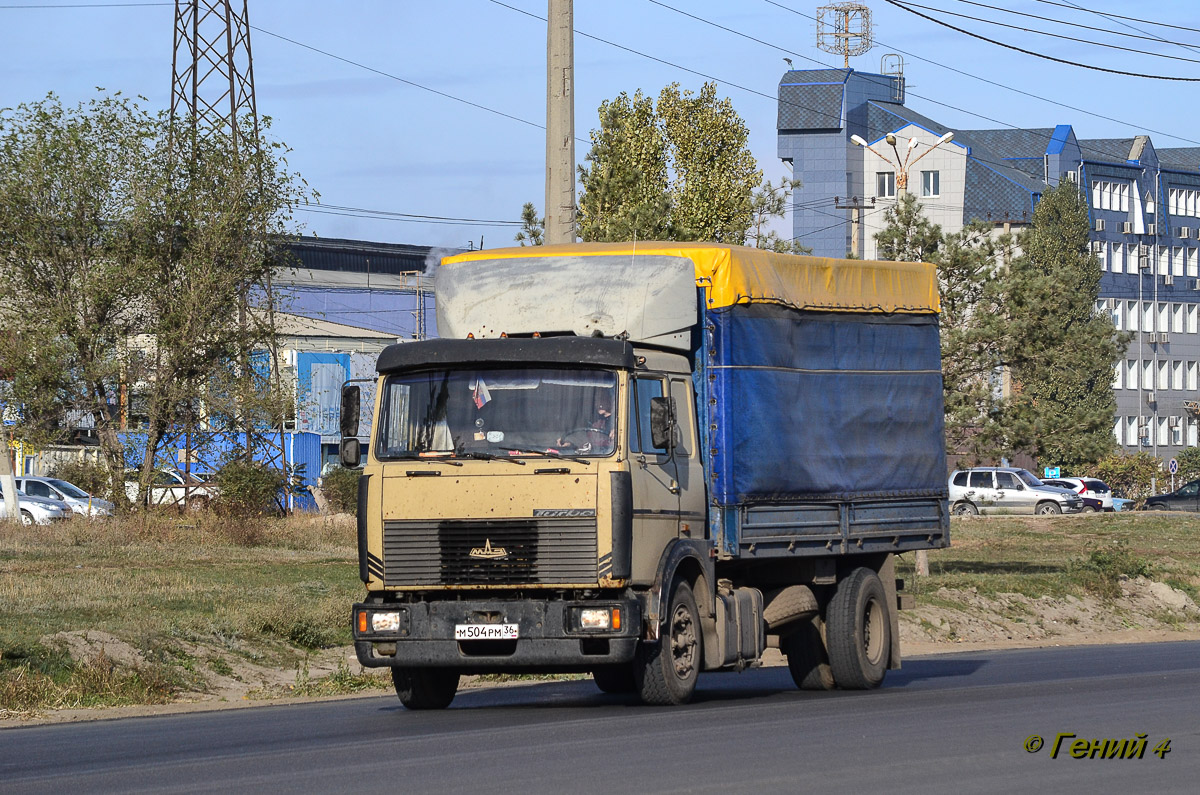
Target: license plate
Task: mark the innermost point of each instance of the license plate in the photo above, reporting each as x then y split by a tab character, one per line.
485	631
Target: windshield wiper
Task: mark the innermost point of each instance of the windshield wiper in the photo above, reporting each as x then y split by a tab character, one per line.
491	457
435	458
548	454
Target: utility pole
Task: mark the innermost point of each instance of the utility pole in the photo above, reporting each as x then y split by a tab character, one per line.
855	207
8	482
560	123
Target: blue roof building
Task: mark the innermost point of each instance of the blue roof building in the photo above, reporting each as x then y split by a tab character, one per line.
1144	208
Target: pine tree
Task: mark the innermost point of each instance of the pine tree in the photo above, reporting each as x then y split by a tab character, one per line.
532	228
1060	351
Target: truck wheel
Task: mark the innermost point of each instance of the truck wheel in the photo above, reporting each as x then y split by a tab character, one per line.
807	658
615	679
665	672
859	631
425	688
1047	508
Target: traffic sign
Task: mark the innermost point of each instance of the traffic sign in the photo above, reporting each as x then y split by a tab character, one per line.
1052	472
1173	466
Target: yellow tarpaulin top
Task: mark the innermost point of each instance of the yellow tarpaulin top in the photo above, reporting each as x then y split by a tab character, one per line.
743	275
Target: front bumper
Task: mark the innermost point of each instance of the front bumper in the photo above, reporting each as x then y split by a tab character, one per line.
545	640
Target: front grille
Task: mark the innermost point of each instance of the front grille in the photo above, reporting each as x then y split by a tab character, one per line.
535	551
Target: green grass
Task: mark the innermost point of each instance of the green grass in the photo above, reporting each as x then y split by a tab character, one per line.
1060	556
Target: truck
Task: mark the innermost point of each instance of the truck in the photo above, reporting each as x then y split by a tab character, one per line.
648	460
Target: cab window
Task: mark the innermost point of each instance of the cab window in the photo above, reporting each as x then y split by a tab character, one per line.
639	431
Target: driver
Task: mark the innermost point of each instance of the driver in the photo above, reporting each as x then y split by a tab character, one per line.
600	432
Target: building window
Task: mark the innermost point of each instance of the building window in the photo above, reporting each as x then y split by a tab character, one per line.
885	184
931	183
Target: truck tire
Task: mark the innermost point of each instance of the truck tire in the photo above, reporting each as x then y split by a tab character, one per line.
615	679
665	672
859	631
808	661
425	688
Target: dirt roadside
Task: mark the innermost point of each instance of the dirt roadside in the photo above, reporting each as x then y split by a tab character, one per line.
948	620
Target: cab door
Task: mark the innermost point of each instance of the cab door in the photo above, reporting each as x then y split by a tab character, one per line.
654	479
688	468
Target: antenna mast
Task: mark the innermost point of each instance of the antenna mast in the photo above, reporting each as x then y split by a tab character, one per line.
845	29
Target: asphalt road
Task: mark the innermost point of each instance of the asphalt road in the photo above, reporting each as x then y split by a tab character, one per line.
951	723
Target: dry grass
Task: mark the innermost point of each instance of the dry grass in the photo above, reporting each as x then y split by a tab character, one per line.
266	589
1057	556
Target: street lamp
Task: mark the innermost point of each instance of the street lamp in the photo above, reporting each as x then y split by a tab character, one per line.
902	164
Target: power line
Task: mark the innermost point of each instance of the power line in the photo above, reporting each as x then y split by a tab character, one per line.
1035	54
909	5
1074	7
1131	27
1109	31
976	156
1005	86
87	5
381	215
399	79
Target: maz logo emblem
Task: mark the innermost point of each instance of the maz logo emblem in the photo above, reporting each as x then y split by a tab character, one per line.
487	551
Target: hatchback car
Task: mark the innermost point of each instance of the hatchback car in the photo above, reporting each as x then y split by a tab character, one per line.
1184	498
1086	487
35	510
993	490
78	500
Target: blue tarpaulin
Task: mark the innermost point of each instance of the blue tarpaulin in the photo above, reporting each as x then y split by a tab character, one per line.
822	406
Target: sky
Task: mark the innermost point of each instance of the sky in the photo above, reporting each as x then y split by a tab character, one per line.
399	130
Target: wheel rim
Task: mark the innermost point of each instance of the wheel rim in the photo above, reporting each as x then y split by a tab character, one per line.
683	642
873	633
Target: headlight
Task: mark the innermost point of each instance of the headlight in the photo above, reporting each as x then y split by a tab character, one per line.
385	622
598	618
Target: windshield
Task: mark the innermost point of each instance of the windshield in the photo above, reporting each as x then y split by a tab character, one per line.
480	413
69	489
1029	478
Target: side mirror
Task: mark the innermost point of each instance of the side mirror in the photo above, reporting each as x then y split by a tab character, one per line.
662	423
351	452
351	400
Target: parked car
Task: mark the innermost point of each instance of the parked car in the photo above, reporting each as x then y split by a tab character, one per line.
1086	487
35	510
992	490
1184	498
172	487
78	500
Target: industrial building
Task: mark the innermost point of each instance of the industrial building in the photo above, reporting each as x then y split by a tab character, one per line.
1144	212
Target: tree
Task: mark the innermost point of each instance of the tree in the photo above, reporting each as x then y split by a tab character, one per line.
768	202
1027	317
124	265
1061	352
624	189
908	235
532	227
681	170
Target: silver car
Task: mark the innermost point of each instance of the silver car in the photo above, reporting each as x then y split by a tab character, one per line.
35	510
78	500
993	490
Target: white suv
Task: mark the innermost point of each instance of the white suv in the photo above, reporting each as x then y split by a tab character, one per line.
1087	487
995	490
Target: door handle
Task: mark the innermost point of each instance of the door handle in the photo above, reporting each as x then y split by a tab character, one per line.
673	488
